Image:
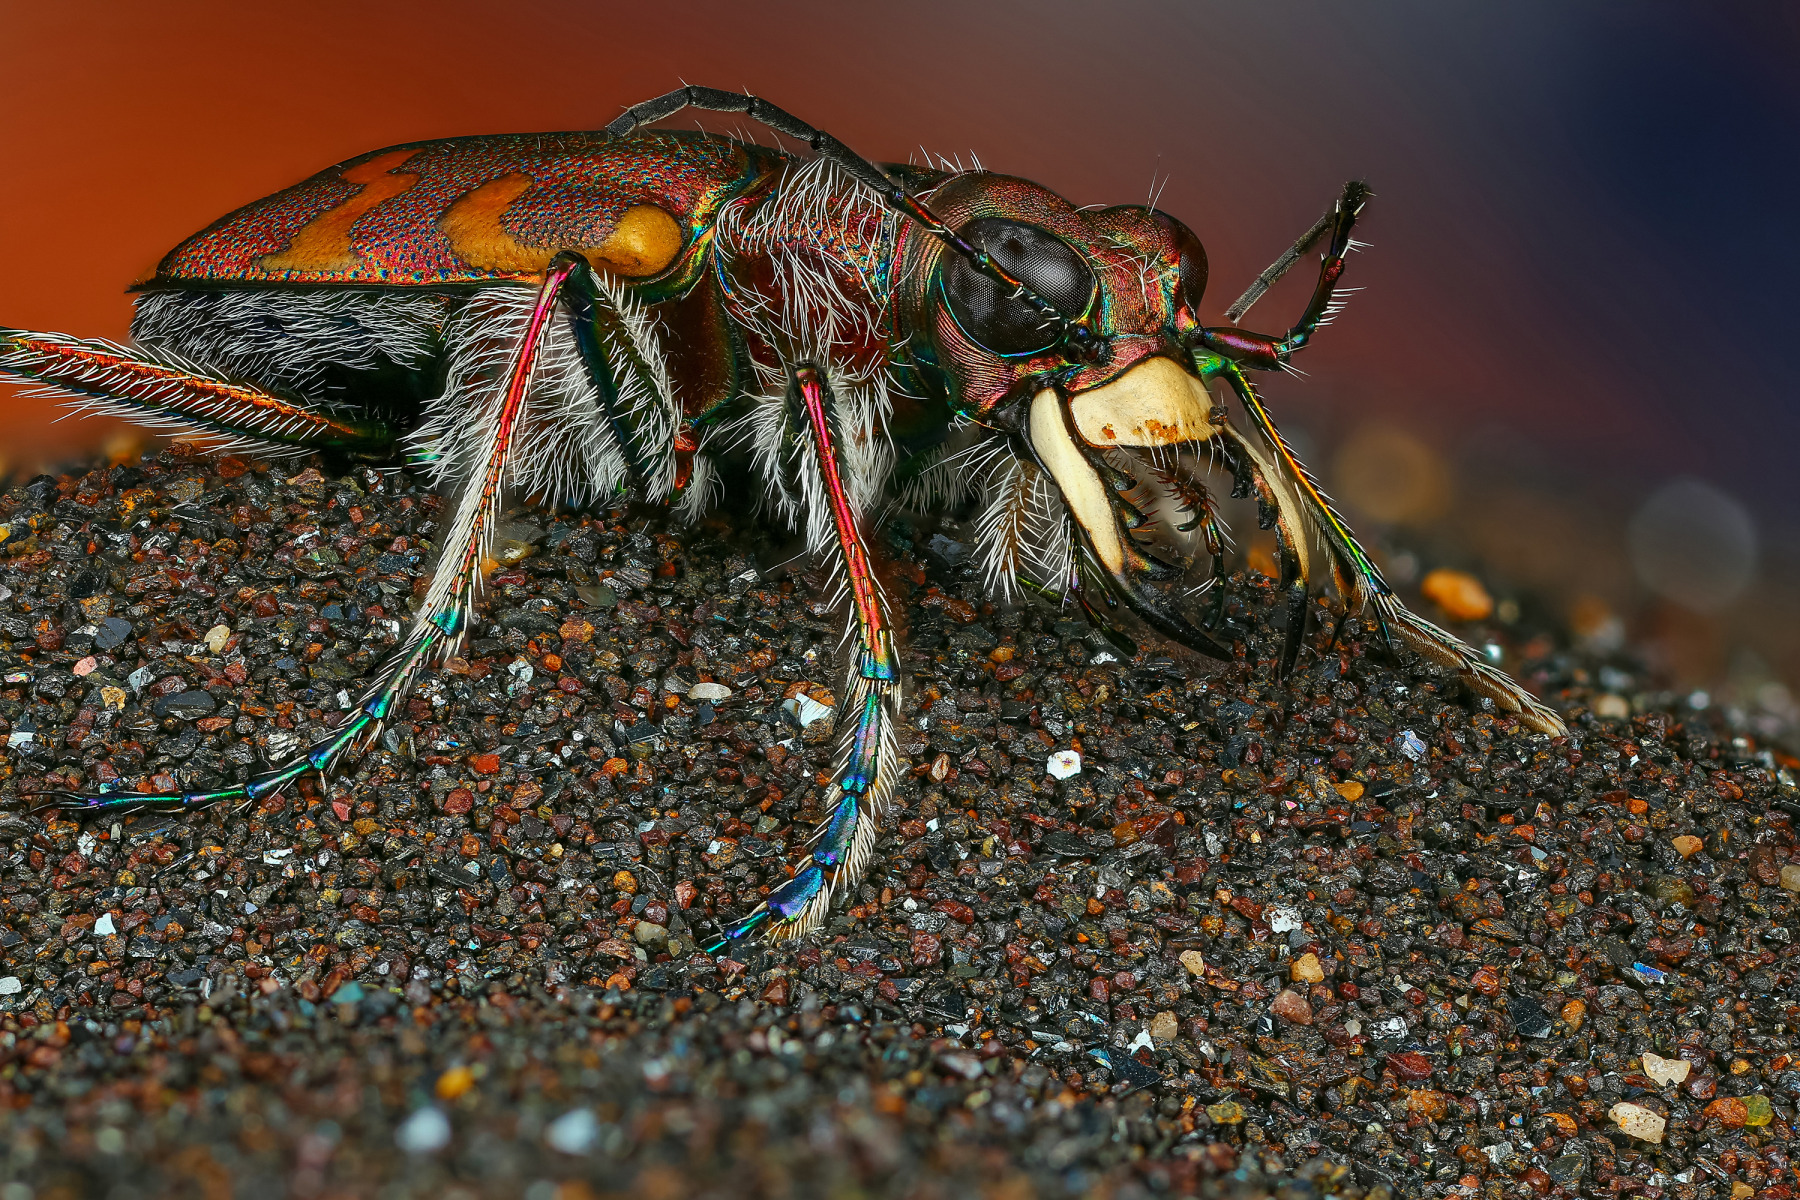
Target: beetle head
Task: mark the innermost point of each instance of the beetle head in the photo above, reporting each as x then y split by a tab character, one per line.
1102	392
1126	281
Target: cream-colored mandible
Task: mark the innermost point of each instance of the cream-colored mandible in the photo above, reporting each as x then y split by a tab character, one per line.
1155	403
1081	486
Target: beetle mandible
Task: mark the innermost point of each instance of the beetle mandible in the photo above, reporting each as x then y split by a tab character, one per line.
581	313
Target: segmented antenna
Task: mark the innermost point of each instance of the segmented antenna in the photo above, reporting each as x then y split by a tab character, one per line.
1279	267
1076	337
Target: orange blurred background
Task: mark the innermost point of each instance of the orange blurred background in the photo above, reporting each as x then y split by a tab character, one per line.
1575	292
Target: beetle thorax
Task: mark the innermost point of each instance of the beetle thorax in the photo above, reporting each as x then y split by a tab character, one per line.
805	267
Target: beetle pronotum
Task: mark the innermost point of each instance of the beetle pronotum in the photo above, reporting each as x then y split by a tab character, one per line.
571	314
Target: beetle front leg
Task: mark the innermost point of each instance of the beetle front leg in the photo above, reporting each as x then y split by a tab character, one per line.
1219	580
1306	508
1278	508
1294	583
863	780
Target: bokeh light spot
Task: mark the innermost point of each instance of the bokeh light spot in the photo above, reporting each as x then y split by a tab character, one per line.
1387	474
1692	544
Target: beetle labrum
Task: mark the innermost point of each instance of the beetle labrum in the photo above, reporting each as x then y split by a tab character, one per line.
576	314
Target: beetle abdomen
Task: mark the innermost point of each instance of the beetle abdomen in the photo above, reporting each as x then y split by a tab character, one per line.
375	350
478	210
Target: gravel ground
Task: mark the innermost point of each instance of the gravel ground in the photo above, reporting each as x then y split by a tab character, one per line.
1346	937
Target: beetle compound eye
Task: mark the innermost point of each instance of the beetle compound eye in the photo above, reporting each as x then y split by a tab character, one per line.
988	311
1191	256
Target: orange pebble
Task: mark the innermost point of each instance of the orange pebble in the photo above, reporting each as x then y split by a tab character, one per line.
455	1082
1459	594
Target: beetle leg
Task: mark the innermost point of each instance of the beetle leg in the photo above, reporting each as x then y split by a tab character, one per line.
1263	352
1216	616
620	349
1307	508
443	616
166	393
1214	532
1279	509
1022	535
1201	511
867	759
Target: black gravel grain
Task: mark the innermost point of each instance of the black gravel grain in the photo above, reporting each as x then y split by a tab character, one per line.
1344	936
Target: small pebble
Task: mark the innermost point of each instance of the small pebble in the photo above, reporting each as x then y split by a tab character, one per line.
1427	1104
1611	707
1573	1014
1729	1111
1064	764
575	1132
1306	969
806	711
1637	1121
1666	1071
1291	1006
454	1082
425	1132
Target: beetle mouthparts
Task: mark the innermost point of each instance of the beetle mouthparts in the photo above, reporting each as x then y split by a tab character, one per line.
1154	405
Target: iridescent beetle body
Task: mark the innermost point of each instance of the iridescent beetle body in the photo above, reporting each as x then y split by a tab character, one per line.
572	315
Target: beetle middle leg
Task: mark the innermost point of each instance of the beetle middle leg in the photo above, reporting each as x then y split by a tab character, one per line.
630	376
442	618
869	712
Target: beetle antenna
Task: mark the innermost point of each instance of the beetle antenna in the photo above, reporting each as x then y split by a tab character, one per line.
1278	268
1077	338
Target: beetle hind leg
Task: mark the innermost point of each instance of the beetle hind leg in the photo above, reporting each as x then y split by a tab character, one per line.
165	392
